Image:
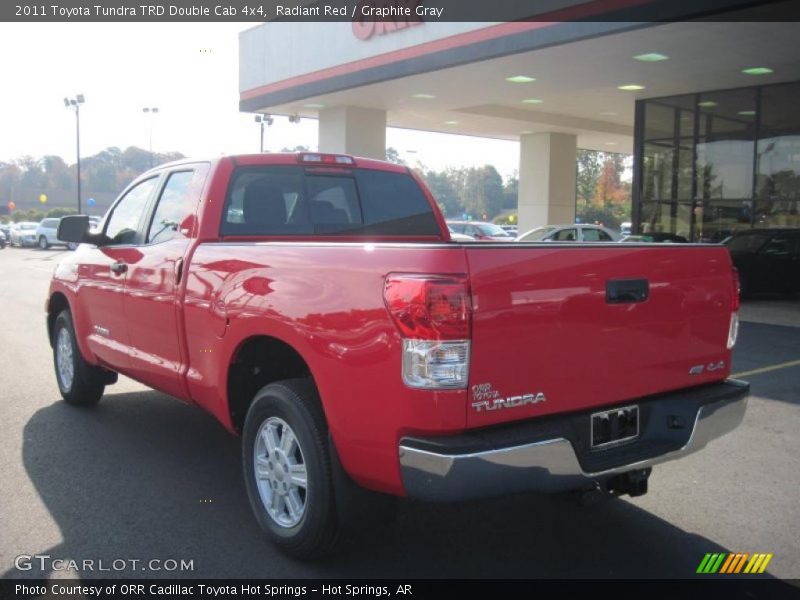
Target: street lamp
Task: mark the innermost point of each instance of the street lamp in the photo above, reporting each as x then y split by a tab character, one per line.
262	119
76	104
151	110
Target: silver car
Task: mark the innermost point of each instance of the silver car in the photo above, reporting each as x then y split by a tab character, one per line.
46	234
569	233
23	234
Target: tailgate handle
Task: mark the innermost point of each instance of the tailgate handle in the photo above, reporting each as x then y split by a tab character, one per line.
627	291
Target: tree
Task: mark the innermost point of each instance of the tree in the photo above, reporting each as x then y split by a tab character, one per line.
511	193
392	155
32	172
589	168
482	192
57	175
444	192
295	149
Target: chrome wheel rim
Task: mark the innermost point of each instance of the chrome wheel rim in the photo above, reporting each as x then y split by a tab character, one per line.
42	243
280	470
64	362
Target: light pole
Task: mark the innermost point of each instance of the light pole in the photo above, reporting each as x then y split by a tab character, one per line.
76	104
262	119
151	110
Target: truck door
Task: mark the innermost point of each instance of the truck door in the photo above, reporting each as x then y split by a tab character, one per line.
151	298
102	272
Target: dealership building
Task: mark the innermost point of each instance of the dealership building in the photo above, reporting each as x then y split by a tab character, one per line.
709	109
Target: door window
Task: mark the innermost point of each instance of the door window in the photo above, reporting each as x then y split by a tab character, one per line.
566	235
123	225
174	211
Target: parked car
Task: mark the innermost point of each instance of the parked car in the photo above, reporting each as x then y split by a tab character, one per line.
361	357
459	237
46	234
2	240
511	230
23	234
569	233
477	230
5	228
768	260
625	228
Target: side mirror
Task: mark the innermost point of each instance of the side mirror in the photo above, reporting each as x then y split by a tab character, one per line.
73	229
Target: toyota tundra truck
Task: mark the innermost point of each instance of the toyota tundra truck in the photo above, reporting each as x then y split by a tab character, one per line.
316	306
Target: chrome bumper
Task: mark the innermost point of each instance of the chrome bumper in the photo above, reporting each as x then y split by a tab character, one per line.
548	465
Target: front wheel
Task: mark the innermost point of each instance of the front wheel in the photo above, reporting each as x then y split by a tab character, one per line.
73	374
43	243
287	468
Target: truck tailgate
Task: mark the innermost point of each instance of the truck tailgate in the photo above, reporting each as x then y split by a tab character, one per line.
544	329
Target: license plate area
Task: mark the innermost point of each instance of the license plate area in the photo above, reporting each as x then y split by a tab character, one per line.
614	427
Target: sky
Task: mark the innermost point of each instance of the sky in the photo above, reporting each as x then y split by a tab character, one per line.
189	71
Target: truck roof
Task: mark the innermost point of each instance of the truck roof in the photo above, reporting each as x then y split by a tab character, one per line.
286	158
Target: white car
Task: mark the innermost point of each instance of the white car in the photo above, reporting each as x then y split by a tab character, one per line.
569	233
46	234
23	234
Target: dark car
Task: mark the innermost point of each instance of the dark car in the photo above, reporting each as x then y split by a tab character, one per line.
768	260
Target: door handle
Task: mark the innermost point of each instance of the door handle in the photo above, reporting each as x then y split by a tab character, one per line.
178	271
119	268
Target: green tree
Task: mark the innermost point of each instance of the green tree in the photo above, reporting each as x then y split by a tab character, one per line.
444	192
482	192
392	155
511	193
589	169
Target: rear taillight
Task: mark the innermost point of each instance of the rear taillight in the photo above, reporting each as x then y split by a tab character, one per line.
737	290
433	315
733	327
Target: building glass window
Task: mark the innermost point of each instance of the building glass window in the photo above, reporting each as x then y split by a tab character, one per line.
713	163
778	161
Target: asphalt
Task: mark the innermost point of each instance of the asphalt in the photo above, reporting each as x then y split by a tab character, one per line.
143	476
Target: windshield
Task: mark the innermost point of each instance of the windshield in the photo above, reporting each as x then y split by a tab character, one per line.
749	242
537	234
491	229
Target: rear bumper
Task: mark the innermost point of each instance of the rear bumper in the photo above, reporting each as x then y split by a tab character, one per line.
552	454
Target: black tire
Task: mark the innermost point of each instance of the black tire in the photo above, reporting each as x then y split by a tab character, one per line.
83	389
294	402
43	243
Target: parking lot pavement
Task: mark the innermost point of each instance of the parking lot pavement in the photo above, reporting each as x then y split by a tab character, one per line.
143	476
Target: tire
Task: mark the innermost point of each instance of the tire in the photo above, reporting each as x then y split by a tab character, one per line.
74	375
301	521
43	244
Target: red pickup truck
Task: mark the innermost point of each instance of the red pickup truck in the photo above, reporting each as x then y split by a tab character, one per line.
315	305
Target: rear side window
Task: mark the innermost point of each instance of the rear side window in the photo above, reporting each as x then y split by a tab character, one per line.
287	200
595	235
566	235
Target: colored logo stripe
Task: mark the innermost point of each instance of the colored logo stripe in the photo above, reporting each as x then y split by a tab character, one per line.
734	563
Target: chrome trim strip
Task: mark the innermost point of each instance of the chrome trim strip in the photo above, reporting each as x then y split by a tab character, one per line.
547	466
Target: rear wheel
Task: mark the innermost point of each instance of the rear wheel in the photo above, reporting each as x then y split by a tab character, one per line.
43	245
287	468
73	374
